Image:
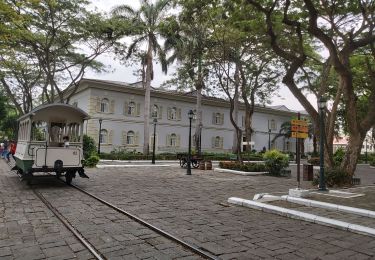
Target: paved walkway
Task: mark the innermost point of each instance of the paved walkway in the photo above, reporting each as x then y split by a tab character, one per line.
193	208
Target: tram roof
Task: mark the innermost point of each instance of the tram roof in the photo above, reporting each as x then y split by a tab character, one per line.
56	112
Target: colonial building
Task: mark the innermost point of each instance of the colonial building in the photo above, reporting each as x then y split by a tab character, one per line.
120	106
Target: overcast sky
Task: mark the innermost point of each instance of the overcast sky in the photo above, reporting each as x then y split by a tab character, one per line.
122	73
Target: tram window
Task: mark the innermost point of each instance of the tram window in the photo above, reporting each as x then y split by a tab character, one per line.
38	131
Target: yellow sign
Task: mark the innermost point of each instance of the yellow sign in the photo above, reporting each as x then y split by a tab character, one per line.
299	122
303	129
299	135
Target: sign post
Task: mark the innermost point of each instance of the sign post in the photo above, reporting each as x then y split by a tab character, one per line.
299	131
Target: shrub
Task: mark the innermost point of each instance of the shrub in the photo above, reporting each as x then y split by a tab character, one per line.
89	147
314	161
92	161
335	177
372	162
338	156
275	161
246	167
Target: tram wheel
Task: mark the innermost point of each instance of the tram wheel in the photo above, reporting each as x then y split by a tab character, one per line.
68	177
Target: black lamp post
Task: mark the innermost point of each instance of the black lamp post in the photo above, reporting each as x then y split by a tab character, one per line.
100	134
200	140
366	149
153	144
190	114
322	106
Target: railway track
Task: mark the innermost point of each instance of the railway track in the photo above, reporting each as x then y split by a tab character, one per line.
96	252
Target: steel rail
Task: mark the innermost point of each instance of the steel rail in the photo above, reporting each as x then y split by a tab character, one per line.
66	223
198	250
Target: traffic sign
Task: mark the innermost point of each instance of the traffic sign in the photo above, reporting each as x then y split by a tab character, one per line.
303	129
299	122
299	135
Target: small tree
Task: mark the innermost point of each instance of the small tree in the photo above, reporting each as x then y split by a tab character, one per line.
89	147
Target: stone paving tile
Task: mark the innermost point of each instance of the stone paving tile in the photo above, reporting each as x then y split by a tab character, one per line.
194	208
27	227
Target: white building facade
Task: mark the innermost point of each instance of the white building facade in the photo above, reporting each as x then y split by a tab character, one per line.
120	106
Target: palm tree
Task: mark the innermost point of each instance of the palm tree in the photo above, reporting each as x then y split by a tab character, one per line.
147	24
286	131
188	44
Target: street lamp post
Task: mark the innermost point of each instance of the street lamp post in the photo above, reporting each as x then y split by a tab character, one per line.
366	149
100	133
200	140
190	114
153	144
269	139
322	106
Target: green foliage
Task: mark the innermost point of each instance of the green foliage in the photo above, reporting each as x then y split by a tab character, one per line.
338	156
372	161
9	126
89	148
92	161
246	167
335	177
275	161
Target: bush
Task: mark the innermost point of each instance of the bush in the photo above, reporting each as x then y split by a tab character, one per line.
314	161
372	162
338	156
89	147
92	161
275	161
246	167
335	177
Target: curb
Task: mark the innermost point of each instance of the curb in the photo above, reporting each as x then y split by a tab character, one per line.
131	165
331	206
239	172
359	229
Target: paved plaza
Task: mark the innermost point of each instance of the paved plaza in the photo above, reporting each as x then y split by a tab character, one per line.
193	208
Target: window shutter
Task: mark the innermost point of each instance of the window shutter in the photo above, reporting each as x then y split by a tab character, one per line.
138	107
97	107
213	118
213	142
136	138
222	118
160	112
124	137
112	107
110	137
178	141
126	107
221	142
169	113
168	140
178	113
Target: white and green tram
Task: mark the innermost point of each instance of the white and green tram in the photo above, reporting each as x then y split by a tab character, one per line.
41	147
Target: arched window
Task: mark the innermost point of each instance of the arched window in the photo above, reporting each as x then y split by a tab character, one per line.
104	105
155	111
130	138
103	136
218	118
131	108
173	140
217	141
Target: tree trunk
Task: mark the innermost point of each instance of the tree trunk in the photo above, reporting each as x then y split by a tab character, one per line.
236	144
353	151
198	122
146	111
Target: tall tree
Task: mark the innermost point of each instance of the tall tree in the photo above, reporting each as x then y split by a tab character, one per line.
146	24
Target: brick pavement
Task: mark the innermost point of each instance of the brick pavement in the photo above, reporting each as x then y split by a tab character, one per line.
28	230
195	209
